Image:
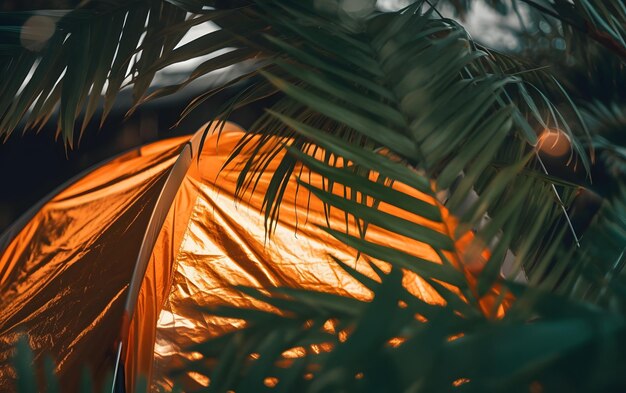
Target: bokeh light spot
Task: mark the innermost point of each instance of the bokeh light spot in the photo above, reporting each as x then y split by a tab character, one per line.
270	382
554	143
460	381
36	31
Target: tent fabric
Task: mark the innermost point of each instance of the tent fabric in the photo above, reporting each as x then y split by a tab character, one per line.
224	244
138	244
64	275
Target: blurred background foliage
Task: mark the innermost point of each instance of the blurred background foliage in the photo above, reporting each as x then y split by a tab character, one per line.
511	113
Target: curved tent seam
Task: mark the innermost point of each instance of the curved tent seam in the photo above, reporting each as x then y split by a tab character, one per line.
177	174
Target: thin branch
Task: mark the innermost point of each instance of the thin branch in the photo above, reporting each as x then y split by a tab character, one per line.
560	202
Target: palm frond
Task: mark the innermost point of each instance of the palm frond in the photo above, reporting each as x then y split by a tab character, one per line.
97	50
596	270
457	120
399	343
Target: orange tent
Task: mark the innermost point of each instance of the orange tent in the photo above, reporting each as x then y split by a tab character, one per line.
136	244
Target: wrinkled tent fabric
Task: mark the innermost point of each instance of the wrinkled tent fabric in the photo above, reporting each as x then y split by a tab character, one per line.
64	276
225	245
205	241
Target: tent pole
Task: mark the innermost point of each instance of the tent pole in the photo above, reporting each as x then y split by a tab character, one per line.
118	358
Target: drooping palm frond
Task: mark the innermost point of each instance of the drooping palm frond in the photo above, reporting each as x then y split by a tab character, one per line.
596	273
398	343
128	51
593	76
94	51
451	121
89	51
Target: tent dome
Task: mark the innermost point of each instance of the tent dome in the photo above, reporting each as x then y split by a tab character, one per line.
112	268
